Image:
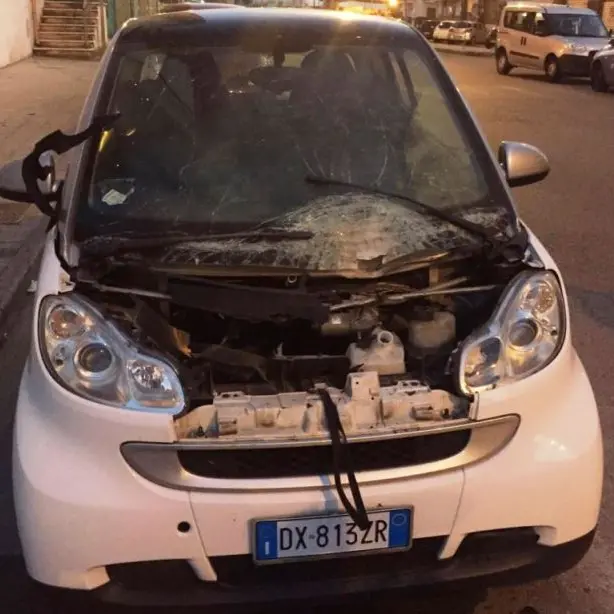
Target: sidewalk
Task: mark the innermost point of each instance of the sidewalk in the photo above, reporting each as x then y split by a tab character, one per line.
474	50
37	96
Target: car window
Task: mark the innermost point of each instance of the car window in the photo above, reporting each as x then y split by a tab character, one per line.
225	136
444	25
571	24
539	24
519	20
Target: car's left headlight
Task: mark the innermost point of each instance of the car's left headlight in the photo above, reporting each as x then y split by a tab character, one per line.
88	355
577	48
523	335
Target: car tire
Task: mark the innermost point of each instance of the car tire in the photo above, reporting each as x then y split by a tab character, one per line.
552	69
503	65
598	82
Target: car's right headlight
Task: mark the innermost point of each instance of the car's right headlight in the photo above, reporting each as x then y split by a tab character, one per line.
524	334
576	48
91	357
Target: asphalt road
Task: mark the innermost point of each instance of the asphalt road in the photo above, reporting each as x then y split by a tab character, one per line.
570	212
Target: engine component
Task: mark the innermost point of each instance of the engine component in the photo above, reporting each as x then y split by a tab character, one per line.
365	408
430	333
356	320
385	354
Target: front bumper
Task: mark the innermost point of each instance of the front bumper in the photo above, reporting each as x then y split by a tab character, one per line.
84	514
575	65
492	558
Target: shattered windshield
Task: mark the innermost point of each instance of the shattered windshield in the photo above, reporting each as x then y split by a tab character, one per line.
222	138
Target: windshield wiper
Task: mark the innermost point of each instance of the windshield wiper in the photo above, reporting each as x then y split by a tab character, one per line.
107	245
488	237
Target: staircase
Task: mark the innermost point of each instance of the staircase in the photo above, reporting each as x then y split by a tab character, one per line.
71	28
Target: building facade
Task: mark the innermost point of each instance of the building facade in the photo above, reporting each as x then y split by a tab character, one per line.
18	19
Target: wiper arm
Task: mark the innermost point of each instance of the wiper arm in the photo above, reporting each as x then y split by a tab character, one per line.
107	245
474	229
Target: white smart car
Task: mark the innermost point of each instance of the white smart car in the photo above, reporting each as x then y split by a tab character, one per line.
287	316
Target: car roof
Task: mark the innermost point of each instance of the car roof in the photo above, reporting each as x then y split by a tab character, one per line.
188	6
548	8
227	19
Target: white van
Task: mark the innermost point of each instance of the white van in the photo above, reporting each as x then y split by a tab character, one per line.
557	39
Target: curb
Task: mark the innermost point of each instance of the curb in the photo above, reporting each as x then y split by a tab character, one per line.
464	51
15	278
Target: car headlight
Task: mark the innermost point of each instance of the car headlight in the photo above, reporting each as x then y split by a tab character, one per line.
576	48
91	357
524	334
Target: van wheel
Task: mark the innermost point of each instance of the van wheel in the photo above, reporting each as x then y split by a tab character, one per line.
552	69
503	66
598	82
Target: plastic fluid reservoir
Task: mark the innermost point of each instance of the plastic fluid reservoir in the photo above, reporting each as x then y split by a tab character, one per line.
385	354
432	333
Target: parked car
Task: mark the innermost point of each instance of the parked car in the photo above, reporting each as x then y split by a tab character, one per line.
556	39
441	32
246	371
467	32
427	27
602	68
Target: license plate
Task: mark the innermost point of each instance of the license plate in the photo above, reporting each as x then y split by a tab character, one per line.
330	535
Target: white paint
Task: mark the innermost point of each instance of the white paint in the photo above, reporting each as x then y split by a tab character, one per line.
16	30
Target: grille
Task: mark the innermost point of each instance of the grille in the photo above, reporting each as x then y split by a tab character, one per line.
302	461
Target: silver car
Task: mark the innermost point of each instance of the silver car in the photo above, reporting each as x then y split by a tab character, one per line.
556	39
602	69
467	32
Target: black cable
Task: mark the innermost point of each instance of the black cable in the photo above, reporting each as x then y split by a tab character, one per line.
342	460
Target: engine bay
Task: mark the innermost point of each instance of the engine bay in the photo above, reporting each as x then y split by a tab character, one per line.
252	352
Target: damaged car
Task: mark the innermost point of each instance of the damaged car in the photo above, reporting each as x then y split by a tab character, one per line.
291	337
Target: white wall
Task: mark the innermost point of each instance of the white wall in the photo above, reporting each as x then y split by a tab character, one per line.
16	30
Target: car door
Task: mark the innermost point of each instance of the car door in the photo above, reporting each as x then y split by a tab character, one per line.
508	37
538	43
520	24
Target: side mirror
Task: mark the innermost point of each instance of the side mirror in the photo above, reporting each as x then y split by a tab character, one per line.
522	164
12	186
